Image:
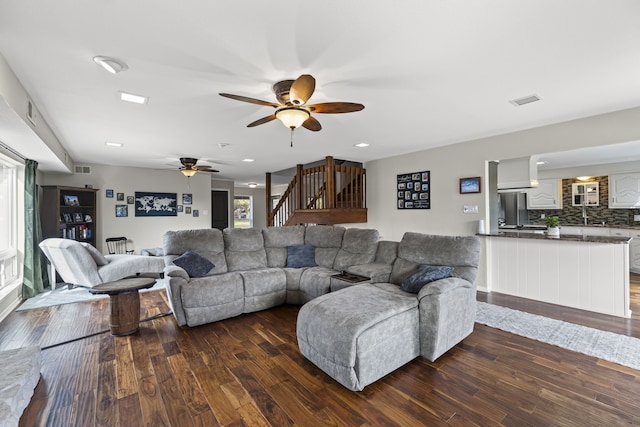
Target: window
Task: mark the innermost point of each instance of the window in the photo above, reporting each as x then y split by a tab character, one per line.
8	222
242	212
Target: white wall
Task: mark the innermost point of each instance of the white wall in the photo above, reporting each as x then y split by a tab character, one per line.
143	232
467	159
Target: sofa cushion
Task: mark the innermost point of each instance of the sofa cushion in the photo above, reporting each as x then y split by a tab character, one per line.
244	249
460	252
299	256
207	242
276	240
359	246
95	254
423	275
194	264
327	240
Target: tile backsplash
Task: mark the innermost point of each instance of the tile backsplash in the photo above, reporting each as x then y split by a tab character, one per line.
572	215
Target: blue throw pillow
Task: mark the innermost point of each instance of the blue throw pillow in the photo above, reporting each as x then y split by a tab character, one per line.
301	256
423	275
194	264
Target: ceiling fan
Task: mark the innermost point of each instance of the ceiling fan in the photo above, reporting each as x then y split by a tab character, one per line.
189	167
292	109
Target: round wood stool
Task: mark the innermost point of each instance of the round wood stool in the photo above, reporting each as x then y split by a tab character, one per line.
124	300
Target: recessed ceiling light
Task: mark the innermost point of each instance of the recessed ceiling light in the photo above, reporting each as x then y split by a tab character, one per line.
112	65
130	97
541	163
113	144
252	185
361	145
248	160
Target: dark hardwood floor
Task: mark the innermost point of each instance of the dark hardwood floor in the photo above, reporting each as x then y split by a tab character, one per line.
248	371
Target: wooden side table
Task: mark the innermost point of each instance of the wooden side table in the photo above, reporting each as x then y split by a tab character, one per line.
124	301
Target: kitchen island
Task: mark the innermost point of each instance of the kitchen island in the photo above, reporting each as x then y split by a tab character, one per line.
586	272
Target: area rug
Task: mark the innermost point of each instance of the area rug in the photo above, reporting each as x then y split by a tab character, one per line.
64	295
604	345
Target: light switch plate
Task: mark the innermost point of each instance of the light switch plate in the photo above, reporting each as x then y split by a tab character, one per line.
470	209
636	217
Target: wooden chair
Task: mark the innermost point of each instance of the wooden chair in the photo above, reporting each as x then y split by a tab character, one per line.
118	245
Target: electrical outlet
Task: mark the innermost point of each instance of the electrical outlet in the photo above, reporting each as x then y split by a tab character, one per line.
542	216
470	209
636	217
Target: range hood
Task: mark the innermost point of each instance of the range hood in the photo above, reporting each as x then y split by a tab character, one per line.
514	174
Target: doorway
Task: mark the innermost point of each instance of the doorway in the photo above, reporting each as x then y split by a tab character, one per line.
219	209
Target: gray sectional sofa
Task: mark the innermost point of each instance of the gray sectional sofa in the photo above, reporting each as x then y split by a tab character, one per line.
357	334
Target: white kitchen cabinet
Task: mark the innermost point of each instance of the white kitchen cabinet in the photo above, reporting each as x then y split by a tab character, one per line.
547	195
624	191
585	194
634	251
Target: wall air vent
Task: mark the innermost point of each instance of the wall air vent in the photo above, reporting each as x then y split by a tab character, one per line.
84	170
525	100
31	112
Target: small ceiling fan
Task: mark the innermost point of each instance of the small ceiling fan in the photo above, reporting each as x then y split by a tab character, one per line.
292	109
189	167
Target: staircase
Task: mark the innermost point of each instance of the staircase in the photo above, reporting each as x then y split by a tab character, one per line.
328	194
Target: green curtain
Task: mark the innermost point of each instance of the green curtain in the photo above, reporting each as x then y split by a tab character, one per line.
35	269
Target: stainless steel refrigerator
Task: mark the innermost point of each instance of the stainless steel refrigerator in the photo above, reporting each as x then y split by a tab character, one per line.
512	210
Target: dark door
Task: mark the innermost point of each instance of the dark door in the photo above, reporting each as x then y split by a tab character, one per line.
219	209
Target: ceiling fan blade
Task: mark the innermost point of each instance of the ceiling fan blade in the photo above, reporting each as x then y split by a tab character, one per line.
205	169
302	89
249	100
335	107
312	124
262	121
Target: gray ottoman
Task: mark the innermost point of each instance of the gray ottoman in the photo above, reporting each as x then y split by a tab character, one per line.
359	334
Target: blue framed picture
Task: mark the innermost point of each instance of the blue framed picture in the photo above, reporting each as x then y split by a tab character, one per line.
470	185
156	204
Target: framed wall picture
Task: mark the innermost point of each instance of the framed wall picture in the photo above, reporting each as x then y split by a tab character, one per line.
470	185
414	190
122	210
179	208
196	213
131	200
71	200
120	197
187	209
109	193
156	204
186	198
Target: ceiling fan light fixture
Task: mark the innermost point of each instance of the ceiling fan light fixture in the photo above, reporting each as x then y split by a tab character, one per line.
188	172
112	65
292	117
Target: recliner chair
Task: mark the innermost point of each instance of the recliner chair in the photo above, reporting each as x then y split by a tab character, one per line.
81	264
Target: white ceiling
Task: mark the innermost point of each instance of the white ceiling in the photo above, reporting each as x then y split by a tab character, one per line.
429	72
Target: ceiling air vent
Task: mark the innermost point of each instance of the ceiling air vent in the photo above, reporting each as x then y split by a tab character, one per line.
525	100
85	170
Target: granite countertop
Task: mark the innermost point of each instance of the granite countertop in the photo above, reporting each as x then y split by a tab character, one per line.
566	237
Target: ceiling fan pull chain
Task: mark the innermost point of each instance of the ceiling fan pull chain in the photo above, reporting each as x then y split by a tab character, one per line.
291	137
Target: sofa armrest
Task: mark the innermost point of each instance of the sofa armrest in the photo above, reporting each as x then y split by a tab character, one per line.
447	315
378	272
175	271
176	278
443	286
